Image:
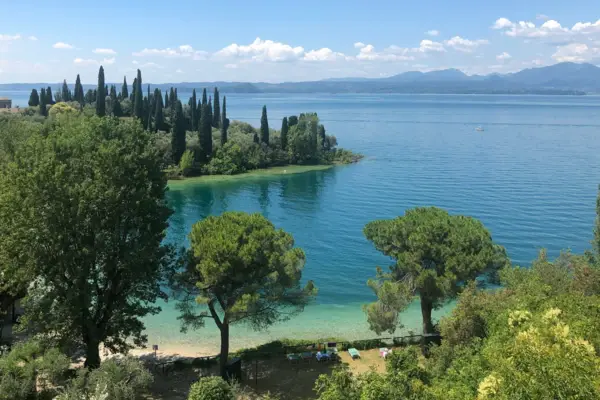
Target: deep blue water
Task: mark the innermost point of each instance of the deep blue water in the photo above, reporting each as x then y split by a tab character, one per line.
531	177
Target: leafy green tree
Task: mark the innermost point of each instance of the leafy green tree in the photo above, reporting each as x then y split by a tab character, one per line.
159	121
211	388
83	219
264	126
186	163
101	94
43	99
34	98
293	120
434	253
284	133
138	101
224	122
65	92
124	89
217	110
78	95
241	270
89	97
178	139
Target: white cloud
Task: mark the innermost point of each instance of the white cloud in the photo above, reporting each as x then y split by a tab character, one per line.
502	23
324	54
503	57
359	45
262	50
184	50
85	62
33	38
427	46
433	32
63	46
465	45
392	53
9	38
105	51
549	29
576	52
586	27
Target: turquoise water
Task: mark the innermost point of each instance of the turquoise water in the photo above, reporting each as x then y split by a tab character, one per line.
531	177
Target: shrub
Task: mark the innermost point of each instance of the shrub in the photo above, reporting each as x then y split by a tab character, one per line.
186	163
211	388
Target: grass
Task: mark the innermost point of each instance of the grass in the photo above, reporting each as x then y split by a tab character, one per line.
257	173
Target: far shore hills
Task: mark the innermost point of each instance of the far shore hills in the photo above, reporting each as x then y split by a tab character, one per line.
565	78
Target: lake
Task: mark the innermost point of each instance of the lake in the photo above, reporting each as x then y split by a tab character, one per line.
531	177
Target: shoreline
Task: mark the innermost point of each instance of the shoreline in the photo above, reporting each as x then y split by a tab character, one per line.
256	173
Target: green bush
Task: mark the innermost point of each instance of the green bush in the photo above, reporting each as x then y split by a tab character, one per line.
186	163
211	388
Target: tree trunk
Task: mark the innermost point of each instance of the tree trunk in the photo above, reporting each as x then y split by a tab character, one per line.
426	307
223	357
92	355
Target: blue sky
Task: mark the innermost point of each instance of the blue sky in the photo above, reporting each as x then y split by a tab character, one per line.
275	41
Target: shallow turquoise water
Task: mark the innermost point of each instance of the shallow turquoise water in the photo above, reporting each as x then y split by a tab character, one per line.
531	177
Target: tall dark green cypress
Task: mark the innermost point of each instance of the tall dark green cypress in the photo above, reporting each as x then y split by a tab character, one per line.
124	89
224	122
172	98
176	98
159	119
138	101
115	103
178	133
101	94
264	126
49	96
34	98
205	133
148	110
78	95
204	98
43	99
284	133
217	109
65	92
132	96
193	112
167	99
210	114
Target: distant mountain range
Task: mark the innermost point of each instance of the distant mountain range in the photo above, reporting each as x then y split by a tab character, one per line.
562	78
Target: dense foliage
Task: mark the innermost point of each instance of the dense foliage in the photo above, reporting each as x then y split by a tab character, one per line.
240	269
211	388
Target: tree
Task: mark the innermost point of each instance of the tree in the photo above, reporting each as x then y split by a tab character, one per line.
82	220
178	134
159	120
434	253
65	92
124	89
43	99
224	122
49	96
284	133
172	98
34	98
256	139
193	103
293	120
138	101
78	95
211	388
264	126
204	98
205	133
241	270
89	96
322	137
167	100
210	110
101	94
217	110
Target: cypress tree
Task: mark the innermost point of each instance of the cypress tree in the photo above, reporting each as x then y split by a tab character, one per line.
217	109
284	133
78	95
49	96
138	101
43	99
264	126
224	122
205	134
193	116
204	99
321	134
101	94
172	97
65	92
159	120
178	133
95	96
210	114
167	100
176	98
34	98
293	120
124	89
132	95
